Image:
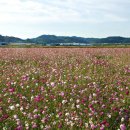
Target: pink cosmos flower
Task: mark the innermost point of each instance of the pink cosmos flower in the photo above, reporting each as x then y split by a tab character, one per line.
62	94
60	113
19	128
122	127
37	98
11	89
127	92
52	84
93	126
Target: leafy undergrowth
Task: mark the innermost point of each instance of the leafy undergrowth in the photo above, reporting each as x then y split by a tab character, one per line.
64	88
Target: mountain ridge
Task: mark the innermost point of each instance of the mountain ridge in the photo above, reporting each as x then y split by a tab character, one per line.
57	40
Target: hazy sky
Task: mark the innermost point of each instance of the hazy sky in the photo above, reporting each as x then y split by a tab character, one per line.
88	18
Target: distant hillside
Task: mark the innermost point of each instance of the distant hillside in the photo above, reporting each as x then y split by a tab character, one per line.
57	40
48	39
114	40
7	39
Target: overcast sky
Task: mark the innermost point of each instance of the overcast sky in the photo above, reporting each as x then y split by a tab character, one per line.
87	18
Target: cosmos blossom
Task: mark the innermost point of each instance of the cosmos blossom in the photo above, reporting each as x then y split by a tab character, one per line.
64	88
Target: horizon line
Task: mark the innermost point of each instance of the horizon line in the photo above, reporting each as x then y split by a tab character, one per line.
64	36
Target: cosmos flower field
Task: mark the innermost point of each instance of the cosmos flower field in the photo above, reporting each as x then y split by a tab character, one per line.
65	88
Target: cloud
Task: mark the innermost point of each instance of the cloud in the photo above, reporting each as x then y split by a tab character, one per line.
64	17
45	11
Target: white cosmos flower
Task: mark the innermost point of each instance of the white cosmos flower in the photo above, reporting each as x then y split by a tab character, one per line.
11	107
64	101
52	84
77	101
78	106
32	97
94	94
122	119
17	105
71	123
71	100
109	115
5	128
15	116
21	109
26	124
28	86
67	114
86	125
73	106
